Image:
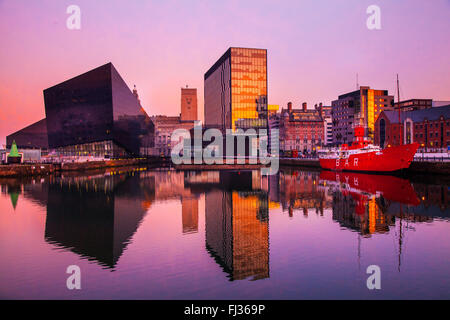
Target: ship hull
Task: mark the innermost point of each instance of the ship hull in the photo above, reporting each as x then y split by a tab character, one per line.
388	160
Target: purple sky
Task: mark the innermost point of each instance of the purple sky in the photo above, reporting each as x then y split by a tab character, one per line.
315	48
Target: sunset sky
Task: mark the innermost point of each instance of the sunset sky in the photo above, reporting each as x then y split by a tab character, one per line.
315	48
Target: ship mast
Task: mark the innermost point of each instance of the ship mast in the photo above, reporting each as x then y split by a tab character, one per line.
400	240
399	112
359	251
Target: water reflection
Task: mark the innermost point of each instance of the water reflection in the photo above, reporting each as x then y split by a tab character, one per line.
236	221
96	215
367	203
299	191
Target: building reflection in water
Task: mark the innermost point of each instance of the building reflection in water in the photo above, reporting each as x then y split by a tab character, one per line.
370	203
170	185
96	216
189	212
34	189
237	221
299	191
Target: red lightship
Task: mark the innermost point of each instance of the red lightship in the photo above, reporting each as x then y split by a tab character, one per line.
362	155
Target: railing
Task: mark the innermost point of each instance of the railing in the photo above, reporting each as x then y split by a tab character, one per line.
431	158
306	157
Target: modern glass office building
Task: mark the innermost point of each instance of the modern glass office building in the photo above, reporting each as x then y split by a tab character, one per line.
362	108
236	90
96	114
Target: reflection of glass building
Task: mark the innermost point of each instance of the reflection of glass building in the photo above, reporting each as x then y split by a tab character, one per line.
236	90
96	114
237	227
96	217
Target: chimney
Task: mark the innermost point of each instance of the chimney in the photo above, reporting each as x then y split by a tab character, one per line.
320	109
289	107
304	106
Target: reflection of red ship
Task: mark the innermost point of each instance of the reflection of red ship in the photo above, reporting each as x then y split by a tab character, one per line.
361	185
369	188
364	156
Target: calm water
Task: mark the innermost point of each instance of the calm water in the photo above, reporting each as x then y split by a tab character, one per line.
224	235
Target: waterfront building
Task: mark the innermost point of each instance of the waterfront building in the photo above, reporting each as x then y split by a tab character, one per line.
360	107
96	114
325	113
440	103
429	127
166	125
301	129
3	153
236	90
273	109
274	131
414	104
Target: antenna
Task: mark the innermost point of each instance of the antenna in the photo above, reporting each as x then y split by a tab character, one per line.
357	84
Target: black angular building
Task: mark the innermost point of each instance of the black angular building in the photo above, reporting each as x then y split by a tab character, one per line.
32	137
96	114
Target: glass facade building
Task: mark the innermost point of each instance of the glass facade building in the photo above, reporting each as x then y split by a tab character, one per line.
96	114
358	108
236	90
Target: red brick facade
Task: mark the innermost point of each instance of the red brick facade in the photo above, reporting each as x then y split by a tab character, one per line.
430	128
301	130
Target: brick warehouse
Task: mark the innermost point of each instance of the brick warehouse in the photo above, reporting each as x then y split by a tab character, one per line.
429	127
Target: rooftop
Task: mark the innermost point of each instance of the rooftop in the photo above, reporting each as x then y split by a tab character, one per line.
430	114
